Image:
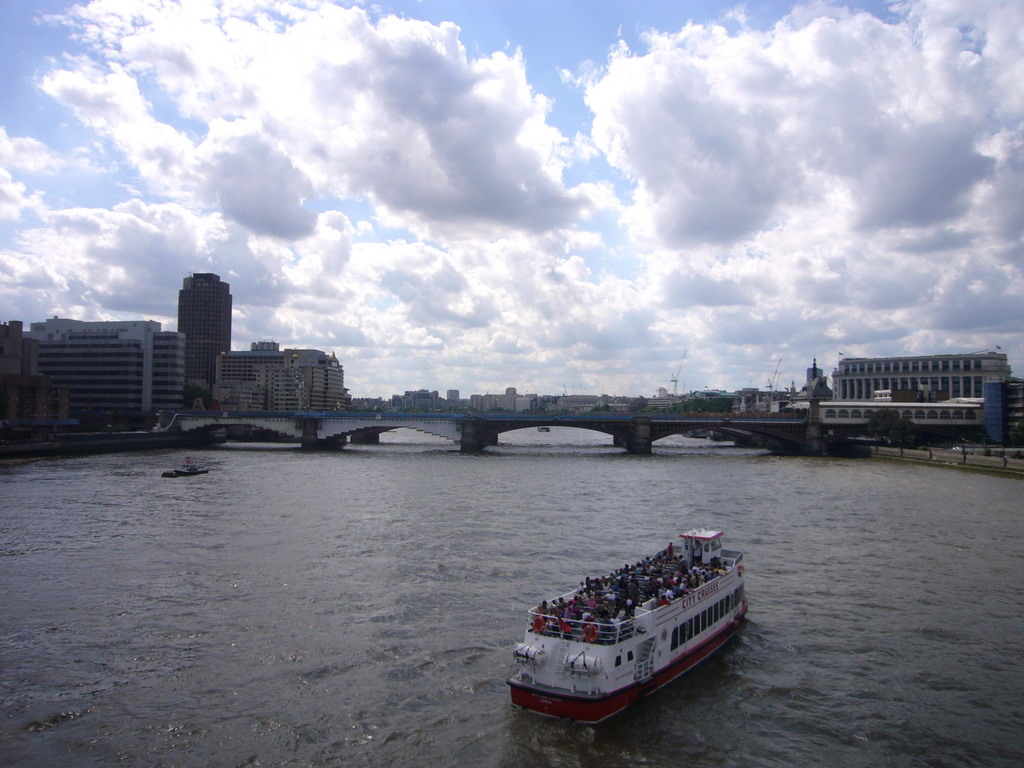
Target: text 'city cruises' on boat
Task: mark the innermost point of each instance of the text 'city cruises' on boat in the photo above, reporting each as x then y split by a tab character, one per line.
591	652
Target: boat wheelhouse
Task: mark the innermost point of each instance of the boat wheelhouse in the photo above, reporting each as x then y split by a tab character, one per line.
593	651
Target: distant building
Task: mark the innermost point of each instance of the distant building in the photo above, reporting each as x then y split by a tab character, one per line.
26	395
815	387
204	316
578	403
129	366
420	400
369	404
754	400
926	378
488	402
267	378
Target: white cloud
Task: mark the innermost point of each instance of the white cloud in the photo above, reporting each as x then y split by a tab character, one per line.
370	186
394	111
259	187
721	132
13	197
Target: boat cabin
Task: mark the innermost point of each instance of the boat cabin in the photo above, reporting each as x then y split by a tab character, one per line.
701	545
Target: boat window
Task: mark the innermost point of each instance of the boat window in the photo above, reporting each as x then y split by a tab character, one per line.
675	638
618	660
629	656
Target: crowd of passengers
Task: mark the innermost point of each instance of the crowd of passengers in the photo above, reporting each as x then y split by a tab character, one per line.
613	599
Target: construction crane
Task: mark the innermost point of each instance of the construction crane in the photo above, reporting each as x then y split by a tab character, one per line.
774	380
675	379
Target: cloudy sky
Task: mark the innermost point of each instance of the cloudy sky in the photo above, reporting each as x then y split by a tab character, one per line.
556	196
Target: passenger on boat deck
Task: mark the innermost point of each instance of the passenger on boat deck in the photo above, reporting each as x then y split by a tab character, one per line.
663	578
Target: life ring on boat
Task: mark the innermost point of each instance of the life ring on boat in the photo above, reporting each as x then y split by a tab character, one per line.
538	624
590	632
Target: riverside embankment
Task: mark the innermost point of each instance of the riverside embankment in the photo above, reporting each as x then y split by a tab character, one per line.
1002	460
100	442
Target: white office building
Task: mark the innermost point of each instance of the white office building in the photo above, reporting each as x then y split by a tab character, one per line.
929	378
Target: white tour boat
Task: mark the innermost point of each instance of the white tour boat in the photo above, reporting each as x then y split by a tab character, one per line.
597	649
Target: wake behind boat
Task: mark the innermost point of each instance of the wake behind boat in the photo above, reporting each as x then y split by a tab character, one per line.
591	652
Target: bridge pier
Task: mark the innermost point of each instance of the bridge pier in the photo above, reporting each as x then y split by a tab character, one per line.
365	438
310	439
813	445
474	438
639	440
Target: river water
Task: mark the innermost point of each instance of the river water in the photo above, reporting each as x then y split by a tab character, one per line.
358	608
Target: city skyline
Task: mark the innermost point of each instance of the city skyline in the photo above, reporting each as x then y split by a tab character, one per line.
581	197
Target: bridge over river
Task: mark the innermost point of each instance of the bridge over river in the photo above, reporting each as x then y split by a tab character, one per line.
814	431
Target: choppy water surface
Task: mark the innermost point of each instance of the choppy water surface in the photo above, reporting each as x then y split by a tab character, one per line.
359	608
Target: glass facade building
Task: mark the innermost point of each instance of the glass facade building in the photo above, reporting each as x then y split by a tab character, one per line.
130	366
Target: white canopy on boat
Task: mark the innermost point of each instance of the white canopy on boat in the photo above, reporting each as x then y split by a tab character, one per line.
704	534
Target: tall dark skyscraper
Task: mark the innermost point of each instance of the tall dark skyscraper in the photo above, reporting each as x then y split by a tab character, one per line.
204	316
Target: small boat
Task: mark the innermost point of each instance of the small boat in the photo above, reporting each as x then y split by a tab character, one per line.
543	429
592	652
188	467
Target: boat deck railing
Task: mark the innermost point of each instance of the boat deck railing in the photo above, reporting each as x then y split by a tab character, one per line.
597	632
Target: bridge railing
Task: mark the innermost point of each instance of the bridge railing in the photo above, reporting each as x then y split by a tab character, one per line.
527	417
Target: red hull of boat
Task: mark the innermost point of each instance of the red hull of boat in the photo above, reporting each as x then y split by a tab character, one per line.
591	709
